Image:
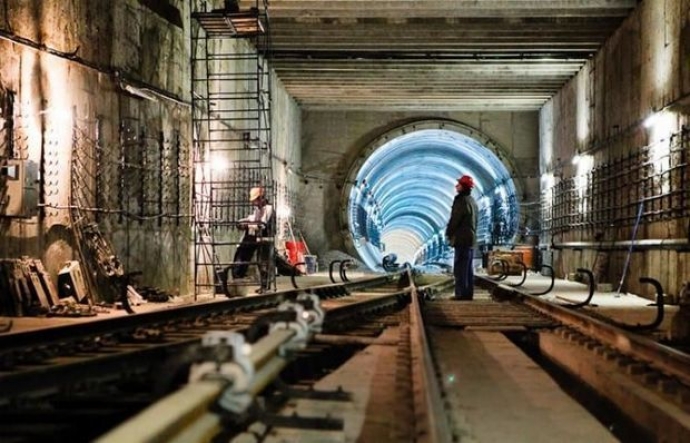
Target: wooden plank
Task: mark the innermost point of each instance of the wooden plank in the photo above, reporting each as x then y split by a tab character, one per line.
37	288
7	290
22	293
33	285
47	282
497	393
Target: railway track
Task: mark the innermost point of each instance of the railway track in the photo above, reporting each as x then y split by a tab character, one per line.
644	380
368	371
52	381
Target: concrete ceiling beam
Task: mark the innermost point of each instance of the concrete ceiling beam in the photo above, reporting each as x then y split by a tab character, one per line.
447	8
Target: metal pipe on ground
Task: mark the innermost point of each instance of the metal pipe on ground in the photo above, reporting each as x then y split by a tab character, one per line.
183	415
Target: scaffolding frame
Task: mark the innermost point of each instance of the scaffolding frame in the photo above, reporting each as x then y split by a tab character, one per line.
231	99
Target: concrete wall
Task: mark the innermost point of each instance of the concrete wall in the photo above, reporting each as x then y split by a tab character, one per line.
94	80
286	129
331	141
67	64
642	69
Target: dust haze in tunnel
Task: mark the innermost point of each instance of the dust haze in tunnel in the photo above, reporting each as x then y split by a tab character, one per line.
400	196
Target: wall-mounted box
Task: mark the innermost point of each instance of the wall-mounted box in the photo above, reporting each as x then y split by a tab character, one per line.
18	188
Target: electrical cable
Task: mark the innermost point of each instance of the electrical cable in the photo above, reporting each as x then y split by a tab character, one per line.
630	249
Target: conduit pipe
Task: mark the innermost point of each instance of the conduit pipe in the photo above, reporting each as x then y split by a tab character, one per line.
668	243
123	80
185	415
224	384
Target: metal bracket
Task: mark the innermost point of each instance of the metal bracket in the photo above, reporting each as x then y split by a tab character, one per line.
308	321
235	367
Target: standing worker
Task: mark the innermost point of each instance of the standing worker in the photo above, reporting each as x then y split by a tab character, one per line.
461	234
257	238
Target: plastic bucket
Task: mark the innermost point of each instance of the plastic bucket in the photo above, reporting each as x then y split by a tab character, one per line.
310	261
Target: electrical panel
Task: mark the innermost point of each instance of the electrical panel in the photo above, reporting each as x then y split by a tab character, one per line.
18	188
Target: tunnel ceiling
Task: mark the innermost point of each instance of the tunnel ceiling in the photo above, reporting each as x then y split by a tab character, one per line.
435	54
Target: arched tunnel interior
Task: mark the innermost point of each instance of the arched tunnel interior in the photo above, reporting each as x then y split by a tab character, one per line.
403	187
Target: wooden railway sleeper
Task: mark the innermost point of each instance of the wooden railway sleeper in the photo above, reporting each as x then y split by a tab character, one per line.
296	421
319	292
330	291
284	390
668	385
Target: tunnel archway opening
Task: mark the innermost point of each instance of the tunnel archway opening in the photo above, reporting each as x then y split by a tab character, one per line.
400	191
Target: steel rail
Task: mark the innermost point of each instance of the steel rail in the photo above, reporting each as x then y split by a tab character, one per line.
106	364
664	358
75	332
335	316
430	290
350	286
431	427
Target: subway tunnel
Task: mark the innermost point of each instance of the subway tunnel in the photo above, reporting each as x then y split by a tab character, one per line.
401	194
141	140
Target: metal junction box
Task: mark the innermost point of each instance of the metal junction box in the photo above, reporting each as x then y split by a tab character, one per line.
18	188
71	283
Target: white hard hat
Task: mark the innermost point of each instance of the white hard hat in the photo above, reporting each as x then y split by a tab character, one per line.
255	193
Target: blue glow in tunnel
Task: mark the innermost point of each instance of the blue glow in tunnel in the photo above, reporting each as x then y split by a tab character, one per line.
402	194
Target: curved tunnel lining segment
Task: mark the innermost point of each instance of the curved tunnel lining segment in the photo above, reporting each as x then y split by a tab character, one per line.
401	191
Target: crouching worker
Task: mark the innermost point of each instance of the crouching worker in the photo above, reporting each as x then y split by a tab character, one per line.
257	237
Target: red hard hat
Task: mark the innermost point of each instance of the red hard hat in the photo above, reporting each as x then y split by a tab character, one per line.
466	182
